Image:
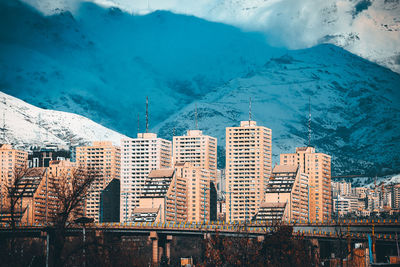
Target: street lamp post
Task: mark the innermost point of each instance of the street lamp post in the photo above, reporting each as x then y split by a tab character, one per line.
126	206
230	203
308	189
84	221
204	202
245	206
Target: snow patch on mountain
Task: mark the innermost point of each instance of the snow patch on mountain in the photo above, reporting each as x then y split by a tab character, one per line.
25	125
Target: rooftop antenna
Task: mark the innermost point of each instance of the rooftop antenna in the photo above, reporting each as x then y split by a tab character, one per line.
309	121
147	114
4	126
138	123
249	110
173	132
40	128
195	116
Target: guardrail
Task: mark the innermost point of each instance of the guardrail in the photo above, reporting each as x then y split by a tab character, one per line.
328	229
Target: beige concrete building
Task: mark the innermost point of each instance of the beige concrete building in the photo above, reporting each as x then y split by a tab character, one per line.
286	196
318	168
163	198
30	199
198	190
39	194
248	167
11	160
104	158
197	148
139	157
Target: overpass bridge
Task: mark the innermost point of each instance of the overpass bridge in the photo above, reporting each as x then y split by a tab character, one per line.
161	234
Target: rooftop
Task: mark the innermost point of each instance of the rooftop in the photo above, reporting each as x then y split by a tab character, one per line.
285	168
161	173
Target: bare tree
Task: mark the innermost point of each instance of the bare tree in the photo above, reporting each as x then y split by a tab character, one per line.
16	189
69	190
278	248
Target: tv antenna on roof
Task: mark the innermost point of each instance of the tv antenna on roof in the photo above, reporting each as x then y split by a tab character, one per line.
147	114
4	126
195	116
138	123
249	110
309	121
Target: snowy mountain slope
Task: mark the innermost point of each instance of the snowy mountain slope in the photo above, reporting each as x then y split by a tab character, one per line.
102	63
355	108
369	28
27	125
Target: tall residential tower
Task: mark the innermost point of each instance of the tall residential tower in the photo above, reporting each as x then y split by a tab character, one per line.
104	158
248	168
139	156
199	149
318	168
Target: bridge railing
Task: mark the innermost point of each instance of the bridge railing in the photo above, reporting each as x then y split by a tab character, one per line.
224	225
251	227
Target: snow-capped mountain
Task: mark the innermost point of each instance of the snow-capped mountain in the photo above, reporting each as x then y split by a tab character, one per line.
102	62
368	28
355	108
24	125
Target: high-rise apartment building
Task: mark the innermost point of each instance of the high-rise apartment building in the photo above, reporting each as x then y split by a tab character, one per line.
197	148
103	158
318	168
248	167
139	156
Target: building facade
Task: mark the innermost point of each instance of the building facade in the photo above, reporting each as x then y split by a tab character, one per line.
286	196
139	157
318	168
42	157
248	167
104	158
163	198
197	148
341	188
11	160
198	190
